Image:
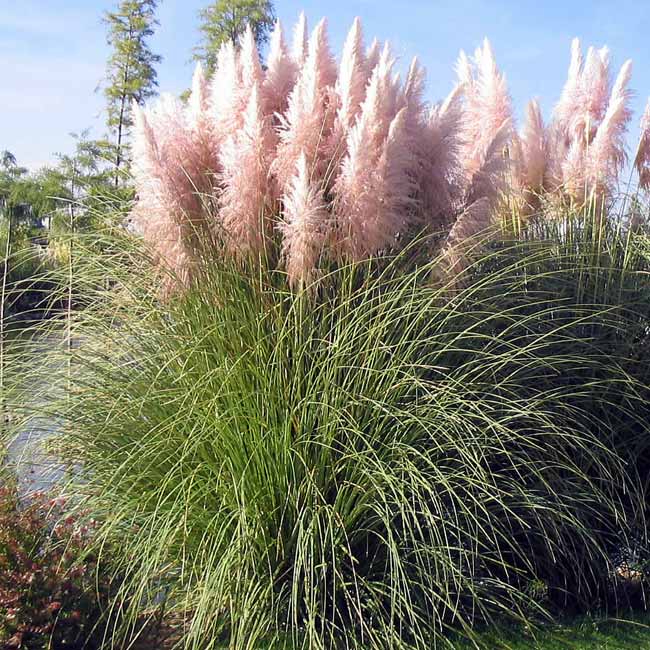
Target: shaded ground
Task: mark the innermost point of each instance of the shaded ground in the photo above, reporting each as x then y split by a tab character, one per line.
588	634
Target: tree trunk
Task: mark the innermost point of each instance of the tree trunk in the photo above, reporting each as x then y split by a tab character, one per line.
120	124
120	128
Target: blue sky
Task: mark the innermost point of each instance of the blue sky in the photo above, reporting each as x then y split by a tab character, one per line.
53	52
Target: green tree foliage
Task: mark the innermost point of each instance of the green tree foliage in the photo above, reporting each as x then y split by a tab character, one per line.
74	188
10	173
131	74
226	20
26	198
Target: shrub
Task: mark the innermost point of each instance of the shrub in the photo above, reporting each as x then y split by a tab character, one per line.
49	593
374	463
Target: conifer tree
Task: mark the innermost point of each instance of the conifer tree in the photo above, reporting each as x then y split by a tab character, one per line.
226	20
131	74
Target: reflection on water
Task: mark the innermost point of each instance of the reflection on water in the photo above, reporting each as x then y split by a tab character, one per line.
27	455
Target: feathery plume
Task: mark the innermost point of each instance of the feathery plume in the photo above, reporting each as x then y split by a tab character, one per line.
280	75
481	198
606	156
244	179
179	168
464	70
560	134
487	107
304	227
202	153
299	46
351	82
440	171
533	149
372	56
374	183
570	100
489	181
144	146
642	158
308	119
251	68
225	93
394	187
197	106
412	98
594	95
461	239
319	49
161	212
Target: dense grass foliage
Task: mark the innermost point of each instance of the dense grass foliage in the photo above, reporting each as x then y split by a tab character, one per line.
373	461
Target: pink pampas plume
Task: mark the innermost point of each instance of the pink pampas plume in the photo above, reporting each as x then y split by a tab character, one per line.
487	106
199	124
412	98
576	119
319	48
573	171
414	87
642	158
372	56
158	214
560	133
251	68
380	104
606	155
350	84
309	117
375	189
180	171
481	198
226	96
440	183
533	147
464	70
280	75
486	135
197	106
304	227
243	200
356	184
395	187
594	95
489	181
299	46
570	102
461	240
145	149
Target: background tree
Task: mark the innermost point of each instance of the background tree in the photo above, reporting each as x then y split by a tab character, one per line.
226	20
7	159
131	72
10	173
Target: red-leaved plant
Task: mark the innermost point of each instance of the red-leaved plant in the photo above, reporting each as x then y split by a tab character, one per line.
48	597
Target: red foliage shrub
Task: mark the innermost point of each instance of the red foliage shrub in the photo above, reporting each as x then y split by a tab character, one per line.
50	596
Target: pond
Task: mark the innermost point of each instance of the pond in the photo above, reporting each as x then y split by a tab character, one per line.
25	425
